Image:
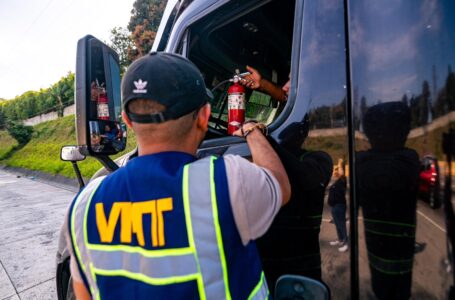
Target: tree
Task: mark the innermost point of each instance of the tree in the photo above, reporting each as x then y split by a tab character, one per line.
63	92
121	41
424	103
143	25
450	89
20	132
2	118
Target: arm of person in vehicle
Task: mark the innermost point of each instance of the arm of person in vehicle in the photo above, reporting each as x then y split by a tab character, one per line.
255	81
264	156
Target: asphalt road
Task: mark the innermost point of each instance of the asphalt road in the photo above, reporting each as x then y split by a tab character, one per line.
430	279
32	212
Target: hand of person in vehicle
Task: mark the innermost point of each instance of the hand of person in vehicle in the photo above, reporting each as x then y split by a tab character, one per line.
252	81
256	82
264	156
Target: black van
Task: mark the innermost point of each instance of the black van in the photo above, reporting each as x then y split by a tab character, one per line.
372	85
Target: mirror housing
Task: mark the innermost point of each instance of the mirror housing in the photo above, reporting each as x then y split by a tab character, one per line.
71	153
300	287
99	127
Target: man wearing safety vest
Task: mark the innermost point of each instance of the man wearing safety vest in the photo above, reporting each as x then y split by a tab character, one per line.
169	225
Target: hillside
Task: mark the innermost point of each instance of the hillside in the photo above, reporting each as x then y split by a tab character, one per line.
8	144
42	153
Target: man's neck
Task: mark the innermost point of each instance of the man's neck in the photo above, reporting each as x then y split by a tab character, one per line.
157	148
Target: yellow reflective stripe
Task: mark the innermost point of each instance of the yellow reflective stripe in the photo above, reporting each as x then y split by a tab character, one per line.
142	251
73	231
258	287
218	229
92	271
189	229
147	279
87	206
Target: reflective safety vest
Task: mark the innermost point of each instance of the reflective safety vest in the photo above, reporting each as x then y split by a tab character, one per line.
390	246
162	227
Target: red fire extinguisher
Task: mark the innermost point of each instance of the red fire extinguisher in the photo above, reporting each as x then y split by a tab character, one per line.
236	105
102	105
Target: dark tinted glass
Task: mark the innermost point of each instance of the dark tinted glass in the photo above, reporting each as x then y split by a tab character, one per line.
320	100
404	97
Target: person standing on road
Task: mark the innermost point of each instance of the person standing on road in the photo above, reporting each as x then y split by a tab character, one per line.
337	201
169	225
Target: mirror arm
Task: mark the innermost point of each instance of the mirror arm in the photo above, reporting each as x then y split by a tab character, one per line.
108	163
78	175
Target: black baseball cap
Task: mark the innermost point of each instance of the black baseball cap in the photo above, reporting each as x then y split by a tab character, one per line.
169	79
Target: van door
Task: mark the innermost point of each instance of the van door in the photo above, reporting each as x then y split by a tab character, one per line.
303	40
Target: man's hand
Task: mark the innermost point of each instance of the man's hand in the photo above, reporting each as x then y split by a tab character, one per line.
252	81
255	81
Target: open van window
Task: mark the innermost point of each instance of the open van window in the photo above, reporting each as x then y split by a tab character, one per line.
233	37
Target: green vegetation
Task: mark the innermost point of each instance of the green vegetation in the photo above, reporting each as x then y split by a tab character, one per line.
33	103
8	144
42	153
430	142
21	133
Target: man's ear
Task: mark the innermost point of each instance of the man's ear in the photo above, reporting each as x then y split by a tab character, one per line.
127	120
203	117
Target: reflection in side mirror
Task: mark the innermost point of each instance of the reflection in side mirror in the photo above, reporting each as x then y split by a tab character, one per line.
299	287
71	153
100	130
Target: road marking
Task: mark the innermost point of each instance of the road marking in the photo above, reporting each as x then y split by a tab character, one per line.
431	221
6	182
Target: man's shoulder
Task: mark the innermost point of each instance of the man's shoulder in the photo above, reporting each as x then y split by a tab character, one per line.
90	187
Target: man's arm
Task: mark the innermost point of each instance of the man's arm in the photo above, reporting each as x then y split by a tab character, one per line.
80	291
264	156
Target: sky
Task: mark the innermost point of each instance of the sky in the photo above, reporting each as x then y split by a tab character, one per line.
38	38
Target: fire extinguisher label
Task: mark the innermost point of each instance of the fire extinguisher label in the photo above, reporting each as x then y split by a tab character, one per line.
103	110
236	101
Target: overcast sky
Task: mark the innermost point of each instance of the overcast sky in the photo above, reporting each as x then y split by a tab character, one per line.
38	38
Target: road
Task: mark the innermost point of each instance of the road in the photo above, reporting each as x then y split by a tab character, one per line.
430	277
31	214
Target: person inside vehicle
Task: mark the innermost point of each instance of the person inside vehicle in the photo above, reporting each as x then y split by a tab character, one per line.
168	225
110	133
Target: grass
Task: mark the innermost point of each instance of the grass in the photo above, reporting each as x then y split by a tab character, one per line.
7	144
42	153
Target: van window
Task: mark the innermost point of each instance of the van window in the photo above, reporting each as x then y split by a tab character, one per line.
236	36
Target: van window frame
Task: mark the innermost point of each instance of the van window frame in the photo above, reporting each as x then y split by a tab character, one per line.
179	39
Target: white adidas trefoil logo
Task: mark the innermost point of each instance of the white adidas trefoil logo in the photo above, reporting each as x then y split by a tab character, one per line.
140	87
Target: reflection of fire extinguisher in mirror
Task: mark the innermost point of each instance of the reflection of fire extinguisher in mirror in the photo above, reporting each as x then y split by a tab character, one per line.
102	105
236	105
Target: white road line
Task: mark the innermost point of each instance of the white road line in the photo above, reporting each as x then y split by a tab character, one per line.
6	182
431	221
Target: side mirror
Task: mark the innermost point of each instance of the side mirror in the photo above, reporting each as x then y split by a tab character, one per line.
71	153
99	127
290	287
